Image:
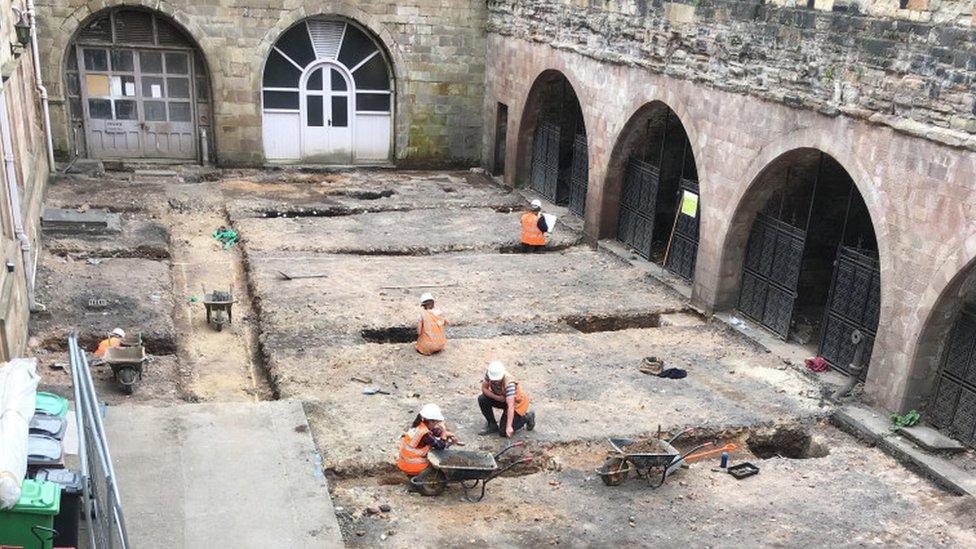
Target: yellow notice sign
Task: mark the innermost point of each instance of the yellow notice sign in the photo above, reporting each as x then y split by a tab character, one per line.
689	204
97	84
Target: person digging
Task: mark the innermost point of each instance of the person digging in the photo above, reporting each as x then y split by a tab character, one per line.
114	339
430	328
533	229
427	432
500	390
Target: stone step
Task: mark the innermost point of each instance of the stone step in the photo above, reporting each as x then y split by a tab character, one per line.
931	440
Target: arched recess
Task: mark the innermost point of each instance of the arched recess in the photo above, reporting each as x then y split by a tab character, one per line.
811	271
553	154
652	189
327	95
942	382
137	86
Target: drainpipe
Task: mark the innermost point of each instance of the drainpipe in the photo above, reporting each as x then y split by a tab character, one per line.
36	61
13	198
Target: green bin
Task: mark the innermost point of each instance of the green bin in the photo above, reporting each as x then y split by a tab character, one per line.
29	524
51	404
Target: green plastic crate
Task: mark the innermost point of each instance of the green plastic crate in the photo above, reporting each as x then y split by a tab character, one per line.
39	502
51	404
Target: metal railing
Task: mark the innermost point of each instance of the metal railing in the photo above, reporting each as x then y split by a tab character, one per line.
101	505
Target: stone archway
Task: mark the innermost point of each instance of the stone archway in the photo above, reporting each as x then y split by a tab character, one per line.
553	152
651	190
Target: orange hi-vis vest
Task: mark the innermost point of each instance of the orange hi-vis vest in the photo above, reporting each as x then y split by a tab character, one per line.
413	458
430	333
106	344
521	399
530	230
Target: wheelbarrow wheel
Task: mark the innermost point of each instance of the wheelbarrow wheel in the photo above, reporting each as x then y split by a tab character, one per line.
128	378
615	471
431	482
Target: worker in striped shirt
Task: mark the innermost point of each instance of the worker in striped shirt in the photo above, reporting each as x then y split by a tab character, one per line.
500	390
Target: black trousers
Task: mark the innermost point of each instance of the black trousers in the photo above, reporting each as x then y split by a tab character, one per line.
488	406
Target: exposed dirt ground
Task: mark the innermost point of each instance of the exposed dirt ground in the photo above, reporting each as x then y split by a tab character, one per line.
572	324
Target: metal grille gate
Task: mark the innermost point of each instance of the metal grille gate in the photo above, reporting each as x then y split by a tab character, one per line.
545	160
579	176
854	302
638	200
683	249
954	406
772	268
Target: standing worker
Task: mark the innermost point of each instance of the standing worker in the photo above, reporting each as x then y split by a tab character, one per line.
114	339
500	390
430	329
427	432
534	229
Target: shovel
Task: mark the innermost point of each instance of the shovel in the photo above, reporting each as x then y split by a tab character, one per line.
286	276
374	391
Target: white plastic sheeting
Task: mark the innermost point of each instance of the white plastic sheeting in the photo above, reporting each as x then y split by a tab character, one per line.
18	394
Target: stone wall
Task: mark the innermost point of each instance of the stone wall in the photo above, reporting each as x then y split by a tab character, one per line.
437	49
913	68
31	170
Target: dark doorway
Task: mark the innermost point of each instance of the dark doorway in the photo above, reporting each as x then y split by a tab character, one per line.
954	407
811	271
658	215
559	167
501	136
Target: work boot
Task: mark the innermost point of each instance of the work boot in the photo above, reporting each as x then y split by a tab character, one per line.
530	420
490	429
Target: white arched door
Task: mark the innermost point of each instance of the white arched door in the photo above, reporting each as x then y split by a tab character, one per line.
326	121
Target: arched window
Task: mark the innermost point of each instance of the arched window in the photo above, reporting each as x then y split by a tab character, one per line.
327	95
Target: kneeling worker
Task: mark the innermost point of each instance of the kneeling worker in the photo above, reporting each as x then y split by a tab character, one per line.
430	329
114	339
500	390
427	432
534	229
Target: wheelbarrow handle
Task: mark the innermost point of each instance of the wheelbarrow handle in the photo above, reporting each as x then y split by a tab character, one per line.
517	444
693	450
679	435
500	472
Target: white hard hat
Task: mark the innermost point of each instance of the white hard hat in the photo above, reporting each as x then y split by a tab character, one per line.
536	204
118	332
496	371
431	411
424	298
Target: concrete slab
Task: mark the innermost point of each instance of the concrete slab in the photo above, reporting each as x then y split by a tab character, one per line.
140	236
414	232
931	440
481	291
292	193
114	193
584	387
872	426
221	475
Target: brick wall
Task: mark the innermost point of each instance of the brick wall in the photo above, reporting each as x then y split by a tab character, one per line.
437	49
913	69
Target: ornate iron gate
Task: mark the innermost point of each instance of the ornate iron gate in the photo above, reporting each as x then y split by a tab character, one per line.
579	176
638	200
854	303
954	406
545	160
771	271
683	249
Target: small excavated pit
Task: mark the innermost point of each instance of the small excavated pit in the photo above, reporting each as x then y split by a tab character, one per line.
787	442
370	195
394	334
612	323
302	212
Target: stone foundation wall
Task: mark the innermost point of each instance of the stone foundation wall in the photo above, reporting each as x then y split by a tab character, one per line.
437	49
912	68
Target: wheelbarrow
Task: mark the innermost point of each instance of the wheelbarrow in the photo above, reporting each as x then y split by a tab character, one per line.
662	459
471	469
219	307
126	364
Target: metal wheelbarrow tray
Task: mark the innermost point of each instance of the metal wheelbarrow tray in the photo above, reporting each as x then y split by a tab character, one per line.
218	304
471	469
664	458
126	364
